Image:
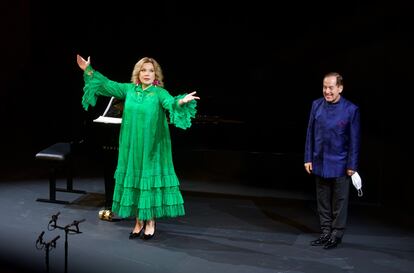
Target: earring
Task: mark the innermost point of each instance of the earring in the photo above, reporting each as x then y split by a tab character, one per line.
156	82
138	82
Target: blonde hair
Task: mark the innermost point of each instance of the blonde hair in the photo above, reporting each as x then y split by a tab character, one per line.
158	72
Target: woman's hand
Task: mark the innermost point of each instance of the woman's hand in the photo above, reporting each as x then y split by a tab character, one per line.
83	64
188	98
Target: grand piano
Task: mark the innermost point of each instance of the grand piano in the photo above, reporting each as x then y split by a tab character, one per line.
206	132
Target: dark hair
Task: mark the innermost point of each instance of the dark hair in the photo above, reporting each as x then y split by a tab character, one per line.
339	79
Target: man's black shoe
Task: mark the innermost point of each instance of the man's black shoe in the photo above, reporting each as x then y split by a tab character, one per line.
322	240
332	243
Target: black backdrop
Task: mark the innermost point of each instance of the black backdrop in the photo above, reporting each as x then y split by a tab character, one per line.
257	64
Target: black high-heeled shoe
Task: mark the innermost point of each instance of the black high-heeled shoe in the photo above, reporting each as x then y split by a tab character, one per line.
149	236
133	235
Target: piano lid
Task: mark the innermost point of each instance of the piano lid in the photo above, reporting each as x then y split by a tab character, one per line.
112	113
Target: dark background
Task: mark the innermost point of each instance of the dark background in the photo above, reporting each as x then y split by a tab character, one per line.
256	66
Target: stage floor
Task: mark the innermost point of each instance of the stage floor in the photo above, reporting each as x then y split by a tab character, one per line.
227	228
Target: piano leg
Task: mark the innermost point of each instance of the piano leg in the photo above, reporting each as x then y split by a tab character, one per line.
110	161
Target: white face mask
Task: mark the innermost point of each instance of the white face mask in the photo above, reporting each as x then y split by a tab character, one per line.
357	182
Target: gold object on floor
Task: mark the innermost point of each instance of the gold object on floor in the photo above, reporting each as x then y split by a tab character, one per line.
106	215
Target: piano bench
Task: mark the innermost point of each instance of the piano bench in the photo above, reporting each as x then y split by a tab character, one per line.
58	156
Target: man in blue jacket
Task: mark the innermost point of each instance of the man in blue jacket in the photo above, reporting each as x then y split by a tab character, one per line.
331	155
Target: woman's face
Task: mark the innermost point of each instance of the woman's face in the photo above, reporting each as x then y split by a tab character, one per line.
147	74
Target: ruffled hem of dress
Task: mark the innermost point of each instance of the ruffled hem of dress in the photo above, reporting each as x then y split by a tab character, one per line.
146	182
147	198
150	213
181	115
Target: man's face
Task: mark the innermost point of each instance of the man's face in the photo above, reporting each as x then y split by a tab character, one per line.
331	91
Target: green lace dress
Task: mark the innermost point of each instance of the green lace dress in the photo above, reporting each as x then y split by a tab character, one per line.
146	185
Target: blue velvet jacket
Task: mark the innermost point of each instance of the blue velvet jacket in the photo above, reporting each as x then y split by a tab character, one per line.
333	137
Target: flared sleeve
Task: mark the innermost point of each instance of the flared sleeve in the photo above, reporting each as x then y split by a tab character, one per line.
97	84
180	115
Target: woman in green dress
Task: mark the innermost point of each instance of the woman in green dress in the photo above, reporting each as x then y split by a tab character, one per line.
146	186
